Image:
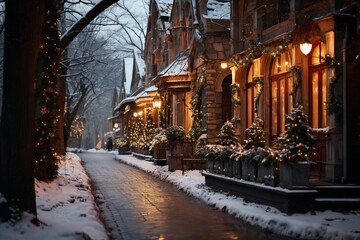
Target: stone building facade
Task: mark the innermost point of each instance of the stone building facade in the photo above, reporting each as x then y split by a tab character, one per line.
185	44
275	75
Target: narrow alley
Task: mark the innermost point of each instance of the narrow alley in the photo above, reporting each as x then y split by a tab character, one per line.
139	206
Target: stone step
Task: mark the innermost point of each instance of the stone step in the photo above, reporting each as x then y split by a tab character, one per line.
337	204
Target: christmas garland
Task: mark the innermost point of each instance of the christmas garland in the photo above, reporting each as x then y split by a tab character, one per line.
195	107
257	49
260	82
334	106
297	80
235	91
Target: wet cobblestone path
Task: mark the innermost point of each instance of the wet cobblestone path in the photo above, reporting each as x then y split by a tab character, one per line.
140	206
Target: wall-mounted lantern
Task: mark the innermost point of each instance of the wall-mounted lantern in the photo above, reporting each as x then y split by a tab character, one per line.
305	47
157	102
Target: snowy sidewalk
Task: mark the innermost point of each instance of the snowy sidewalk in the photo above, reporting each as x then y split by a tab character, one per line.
318	225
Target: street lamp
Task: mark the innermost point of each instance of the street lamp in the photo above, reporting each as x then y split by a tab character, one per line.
305	47
157	102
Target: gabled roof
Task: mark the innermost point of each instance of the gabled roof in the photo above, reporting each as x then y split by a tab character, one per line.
178	67
140	64
128	66
218	9
164	7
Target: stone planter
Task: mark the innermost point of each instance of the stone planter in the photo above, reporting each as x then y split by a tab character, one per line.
248	171
173	155
236	168
294	175
266	174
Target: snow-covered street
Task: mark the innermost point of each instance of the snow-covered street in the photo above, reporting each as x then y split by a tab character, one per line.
66	208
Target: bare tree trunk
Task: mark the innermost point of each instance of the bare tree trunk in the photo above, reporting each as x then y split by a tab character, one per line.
66	39
23	33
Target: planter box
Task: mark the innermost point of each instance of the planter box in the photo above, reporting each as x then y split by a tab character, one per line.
219	167
236	168
173	155
294	175
210	165
228	168
248	171
159	152
288	201
266	174
124	150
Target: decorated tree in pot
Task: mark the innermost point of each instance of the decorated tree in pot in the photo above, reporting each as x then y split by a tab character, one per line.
297	142
296	150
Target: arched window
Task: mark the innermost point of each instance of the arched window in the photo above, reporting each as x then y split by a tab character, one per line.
226	105
317	86
251	90
281	85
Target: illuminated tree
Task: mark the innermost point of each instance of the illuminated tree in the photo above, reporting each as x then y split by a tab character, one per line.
297	142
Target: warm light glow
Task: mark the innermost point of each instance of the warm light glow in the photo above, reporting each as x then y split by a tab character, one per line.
306	47
224	65
116	125
157	102
140	113
135	114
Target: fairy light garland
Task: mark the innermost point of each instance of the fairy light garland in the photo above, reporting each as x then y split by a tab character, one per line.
46	158
257	49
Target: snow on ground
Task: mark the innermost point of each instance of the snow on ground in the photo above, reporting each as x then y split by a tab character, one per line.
316	225
66	208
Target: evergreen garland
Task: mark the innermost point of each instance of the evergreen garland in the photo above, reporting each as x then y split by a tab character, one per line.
256	49
235	92
260	82
195	107
297	80
334	106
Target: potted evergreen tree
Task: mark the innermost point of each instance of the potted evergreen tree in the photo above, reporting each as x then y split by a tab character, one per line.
227	139
254	150
177	146
296	150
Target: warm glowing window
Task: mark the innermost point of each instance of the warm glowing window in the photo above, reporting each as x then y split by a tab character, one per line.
281	100
318	86
318	53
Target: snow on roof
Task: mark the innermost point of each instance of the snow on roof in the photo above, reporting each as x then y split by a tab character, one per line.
218	9
141	94
152	88
178	67
140	63
128	66
164	7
